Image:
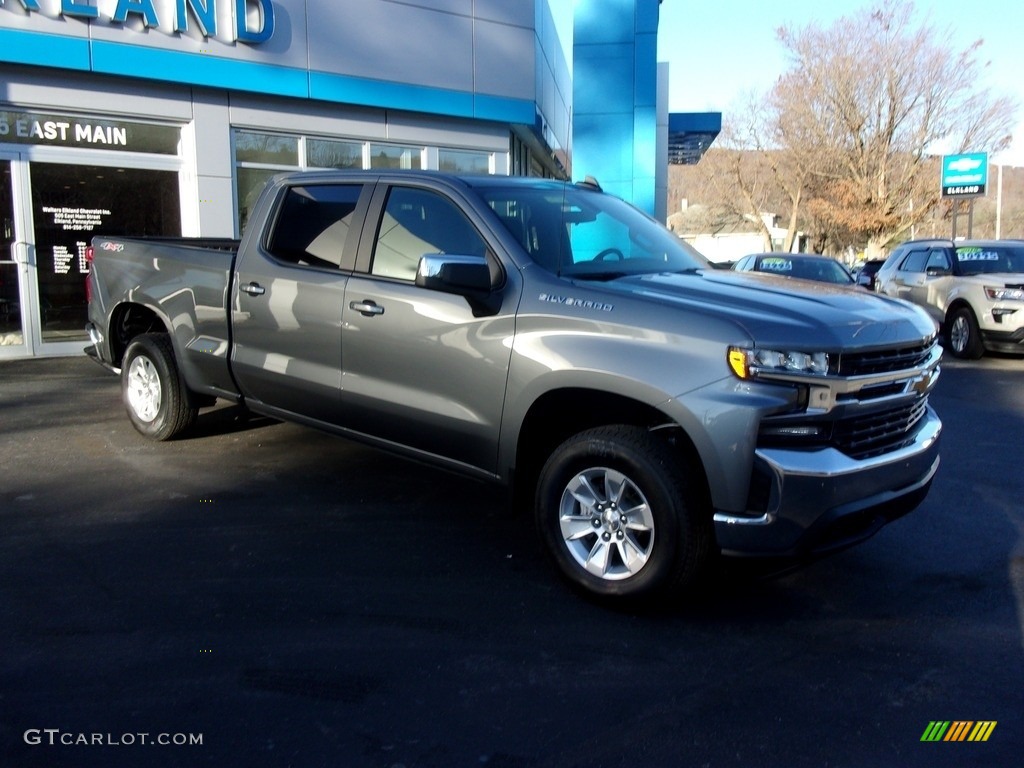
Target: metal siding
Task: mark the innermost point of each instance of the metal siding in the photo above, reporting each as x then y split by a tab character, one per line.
463	58
411	46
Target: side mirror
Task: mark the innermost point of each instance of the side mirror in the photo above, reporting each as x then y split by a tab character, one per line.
466	276
937	271
453	274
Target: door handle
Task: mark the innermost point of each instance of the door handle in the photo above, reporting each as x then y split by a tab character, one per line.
367	308
253	289
19	252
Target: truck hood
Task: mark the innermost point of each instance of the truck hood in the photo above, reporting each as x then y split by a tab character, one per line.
782	312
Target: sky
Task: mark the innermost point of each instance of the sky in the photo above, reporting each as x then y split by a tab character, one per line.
718	50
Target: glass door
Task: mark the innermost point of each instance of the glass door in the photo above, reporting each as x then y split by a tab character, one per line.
71	204
15	331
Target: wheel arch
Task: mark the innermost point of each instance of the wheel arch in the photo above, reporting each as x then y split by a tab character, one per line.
954	305
129	320
558	414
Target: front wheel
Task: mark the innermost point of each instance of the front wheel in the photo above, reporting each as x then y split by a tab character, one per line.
619	517
154	395
964	336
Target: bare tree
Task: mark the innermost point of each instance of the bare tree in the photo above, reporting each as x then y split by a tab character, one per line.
733	182
866	105
786	160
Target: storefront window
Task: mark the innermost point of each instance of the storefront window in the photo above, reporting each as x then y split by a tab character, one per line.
251	182
322	153
393	156
258	156
71	204
265	148
459	161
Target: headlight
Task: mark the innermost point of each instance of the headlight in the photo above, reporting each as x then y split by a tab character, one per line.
749	363
1004	294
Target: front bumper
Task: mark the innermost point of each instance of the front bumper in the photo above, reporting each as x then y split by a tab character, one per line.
821	501
1011	342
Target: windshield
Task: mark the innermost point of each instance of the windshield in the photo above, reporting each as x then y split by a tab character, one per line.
981	260
823	270
579	232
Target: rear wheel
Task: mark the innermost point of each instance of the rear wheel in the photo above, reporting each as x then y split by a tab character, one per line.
963	334
154	395
619	517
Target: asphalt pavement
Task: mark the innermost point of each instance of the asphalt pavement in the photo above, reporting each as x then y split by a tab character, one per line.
259	594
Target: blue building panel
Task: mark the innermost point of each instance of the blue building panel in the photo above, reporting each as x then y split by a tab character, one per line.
603	147
604	21
498	109
44	50
603	79
645	83
645	142
648	16
615	96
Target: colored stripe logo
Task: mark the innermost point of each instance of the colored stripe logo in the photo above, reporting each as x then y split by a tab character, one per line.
959	730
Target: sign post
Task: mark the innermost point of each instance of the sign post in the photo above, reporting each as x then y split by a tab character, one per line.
964	176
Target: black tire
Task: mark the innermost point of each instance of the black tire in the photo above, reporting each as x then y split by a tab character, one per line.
154	394
644	510
963	337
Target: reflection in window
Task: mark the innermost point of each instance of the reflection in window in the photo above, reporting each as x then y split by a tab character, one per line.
417	222
322	153
258	156
459	161
250	183
313	224
266	148
915	261
71	204
394	156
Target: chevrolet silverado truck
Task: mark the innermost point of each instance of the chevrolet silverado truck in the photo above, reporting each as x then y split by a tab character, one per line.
653	412
974	289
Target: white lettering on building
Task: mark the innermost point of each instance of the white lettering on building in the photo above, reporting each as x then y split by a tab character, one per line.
252	20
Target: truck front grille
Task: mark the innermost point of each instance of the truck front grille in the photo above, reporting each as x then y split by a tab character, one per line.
885	360
859	435
880	413
872	434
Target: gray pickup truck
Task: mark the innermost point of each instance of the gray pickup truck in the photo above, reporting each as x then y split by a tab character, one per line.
653	412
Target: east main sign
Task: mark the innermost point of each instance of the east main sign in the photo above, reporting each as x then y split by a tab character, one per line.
964	175
251	21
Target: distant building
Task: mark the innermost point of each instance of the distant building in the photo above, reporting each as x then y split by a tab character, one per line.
725	237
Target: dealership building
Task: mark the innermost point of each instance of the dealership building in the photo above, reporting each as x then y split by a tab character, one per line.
165	117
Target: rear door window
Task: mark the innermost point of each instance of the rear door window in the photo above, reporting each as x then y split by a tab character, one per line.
313	224
915	261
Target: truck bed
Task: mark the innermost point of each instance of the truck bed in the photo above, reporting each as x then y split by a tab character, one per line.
185	282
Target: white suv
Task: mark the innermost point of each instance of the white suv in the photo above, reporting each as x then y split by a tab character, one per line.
974	289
